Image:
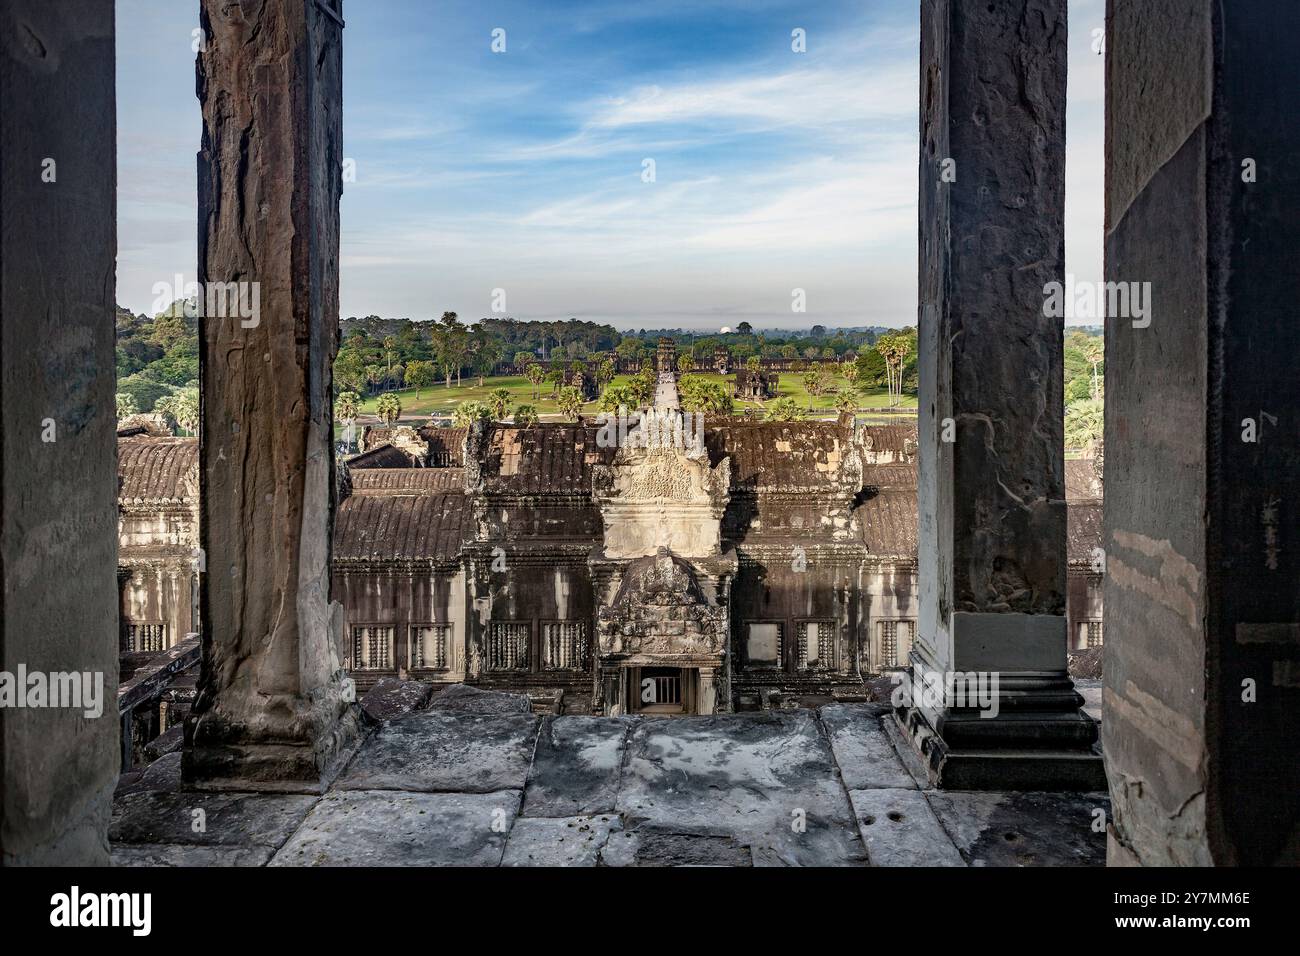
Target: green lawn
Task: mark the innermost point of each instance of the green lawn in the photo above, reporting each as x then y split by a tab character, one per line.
443	400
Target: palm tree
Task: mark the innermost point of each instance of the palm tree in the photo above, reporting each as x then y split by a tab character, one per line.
1084	422
570	402
467	413
783	410
526	416
374	375
534	373
390	346
126	405
500	401
388	408
615	397
605	374
346	409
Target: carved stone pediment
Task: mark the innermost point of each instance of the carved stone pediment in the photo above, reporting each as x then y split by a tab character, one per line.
662	611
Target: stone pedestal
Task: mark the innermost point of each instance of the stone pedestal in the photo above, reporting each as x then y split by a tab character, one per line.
273	709
1202	522
992	559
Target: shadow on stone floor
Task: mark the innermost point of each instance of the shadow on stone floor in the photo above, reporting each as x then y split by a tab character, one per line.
473	778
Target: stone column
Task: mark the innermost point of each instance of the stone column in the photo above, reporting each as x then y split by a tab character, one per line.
58	445
991	487
708	691
272	710
1202	518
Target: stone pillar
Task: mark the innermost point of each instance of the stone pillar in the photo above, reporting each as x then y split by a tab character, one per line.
273	705
707	699
58	444
1202	517
992	558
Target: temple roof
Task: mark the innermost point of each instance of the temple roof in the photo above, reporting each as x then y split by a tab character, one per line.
446	445
410	481
400	527
889	439
781	456
889	523
382	456
158	470
543	459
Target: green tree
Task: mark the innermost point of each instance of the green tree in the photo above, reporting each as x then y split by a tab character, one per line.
467	413
526	416
350	370
182	407
535	373
783	410
500	402
753	364
605	374
701	395
1084	422
685	363
570	402
126	405
615	397
347	407
420	375
388	408
523	359
485	355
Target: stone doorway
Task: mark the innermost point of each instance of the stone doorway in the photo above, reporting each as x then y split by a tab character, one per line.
664	691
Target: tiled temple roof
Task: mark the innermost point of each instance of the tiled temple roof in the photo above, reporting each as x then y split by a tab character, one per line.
406	481
399	527
446	446
889	523
889	439
382	456
781	456
158	470
543	459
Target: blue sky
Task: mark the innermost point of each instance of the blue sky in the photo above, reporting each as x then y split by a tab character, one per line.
523	170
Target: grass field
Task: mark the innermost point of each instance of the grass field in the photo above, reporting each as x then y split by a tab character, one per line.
442	400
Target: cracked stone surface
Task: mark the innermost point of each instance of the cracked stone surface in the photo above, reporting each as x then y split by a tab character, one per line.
766	780
862	749
453	752
576	766
477	782
567	841
393	828
227	819
900	829
1025	829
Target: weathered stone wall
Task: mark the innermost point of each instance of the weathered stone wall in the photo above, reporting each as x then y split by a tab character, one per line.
1201	580
58	473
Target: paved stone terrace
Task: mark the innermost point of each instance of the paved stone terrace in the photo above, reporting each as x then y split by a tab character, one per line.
472	778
